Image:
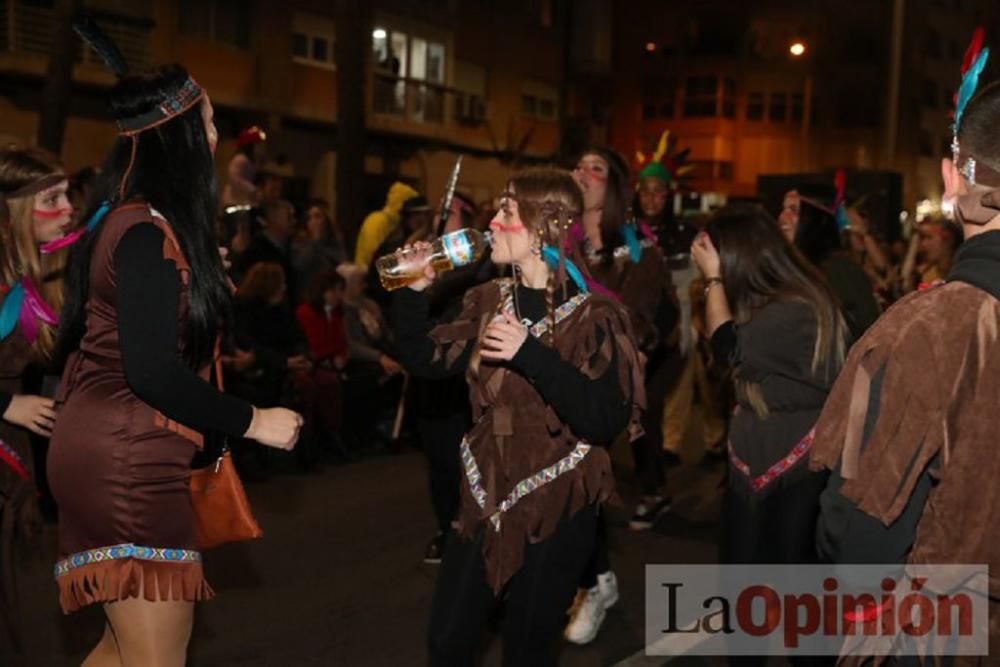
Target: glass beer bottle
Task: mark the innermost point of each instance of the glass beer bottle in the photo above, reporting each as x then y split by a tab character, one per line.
453	250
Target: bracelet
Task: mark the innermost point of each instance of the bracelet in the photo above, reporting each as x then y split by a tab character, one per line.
712	282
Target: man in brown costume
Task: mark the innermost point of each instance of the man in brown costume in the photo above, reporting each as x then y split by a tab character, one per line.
909	429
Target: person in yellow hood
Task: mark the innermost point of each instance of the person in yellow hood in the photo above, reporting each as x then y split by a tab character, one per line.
379	225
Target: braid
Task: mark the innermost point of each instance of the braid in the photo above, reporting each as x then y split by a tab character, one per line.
550	289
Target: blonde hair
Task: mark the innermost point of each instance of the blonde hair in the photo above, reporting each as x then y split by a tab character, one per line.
19	255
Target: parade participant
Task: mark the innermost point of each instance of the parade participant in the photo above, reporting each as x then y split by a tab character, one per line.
145	296
909	430
442	409
661	175
808	219
242	171
34	210
553	371
771	315
624	260
379	225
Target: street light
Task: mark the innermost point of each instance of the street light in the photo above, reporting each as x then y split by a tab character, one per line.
378	33
797	49
650	46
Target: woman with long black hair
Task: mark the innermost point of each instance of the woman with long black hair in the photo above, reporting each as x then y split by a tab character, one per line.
772	316
553	372
146	299
626	263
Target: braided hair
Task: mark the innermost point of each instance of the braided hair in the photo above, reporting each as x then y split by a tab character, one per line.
549	201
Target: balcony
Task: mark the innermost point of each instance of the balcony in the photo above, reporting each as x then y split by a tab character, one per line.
27	30
420	101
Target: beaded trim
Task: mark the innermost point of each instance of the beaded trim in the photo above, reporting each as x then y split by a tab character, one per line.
189	94
541	327
129	550
621	252
778	469
13	460
525	486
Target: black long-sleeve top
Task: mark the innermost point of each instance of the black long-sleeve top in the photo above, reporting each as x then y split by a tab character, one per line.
148	290
595	409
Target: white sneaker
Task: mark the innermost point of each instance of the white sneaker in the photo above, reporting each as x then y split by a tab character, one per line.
607	584
587	616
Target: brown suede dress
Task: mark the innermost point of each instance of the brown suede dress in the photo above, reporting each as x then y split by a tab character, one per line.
118	468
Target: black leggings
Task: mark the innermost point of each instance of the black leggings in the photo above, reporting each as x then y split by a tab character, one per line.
661	374
440	436
538	596
779	528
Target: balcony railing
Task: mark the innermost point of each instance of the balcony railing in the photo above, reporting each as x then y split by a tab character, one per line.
425	102
28	27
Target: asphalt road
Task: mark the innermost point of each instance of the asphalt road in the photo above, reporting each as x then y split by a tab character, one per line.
339	579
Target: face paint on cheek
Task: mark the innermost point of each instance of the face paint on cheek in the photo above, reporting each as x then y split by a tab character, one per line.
53	214
505	229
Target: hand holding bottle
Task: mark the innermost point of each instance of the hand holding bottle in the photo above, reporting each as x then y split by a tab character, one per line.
417	254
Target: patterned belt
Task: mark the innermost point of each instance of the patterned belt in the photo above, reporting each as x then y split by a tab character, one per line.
525	486
13	460
778	469
128	550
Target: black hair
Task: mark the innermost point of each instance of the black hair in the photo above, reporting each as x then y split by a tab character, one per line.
615	210
173	171
817	235
977	134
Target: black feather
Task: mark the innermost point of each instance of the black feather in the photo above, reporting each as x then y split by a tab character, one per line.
103	46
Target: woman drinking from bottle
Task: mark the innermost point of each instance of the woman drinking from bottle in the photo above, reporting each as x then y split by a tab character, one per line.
553	371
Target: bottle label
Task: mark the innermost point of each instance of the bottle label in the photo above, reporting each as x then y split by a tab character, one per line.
458	248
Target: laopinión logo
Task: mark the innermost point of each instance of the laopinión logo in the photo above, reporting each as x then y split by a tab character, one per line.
816	610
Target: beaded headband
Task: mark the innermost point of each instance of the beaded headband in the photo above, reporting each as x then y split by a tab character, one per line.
186	97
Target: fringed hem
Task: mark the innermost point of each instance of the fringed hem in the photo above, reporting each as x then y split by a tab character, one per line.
114	580
534	521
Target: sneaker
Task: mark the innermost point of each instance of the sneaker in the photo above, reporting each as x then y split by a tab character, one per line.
607	583
587	616
647	512
435	549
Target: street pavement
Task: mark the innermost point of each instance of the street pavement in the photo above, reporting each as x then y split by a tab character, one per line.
338	578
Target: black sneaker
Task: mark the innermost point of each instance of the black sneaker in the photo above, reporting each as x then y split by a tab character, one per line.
647	512
435	549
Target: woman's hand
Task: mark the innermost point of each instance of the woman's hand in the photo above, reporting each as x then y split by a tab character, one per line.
275	427
503	338
389	365
35	413
420	249
705	256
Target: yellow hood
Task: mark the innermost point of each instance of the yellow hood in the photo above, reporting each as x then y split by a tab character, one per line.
399	194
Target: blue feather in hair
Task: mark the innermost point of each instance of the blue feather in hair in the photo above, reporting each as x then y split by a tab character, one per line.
969	84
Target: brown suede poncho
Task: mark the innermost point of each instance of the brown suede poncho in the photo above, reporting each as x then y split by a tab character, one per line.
940	353
524	470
